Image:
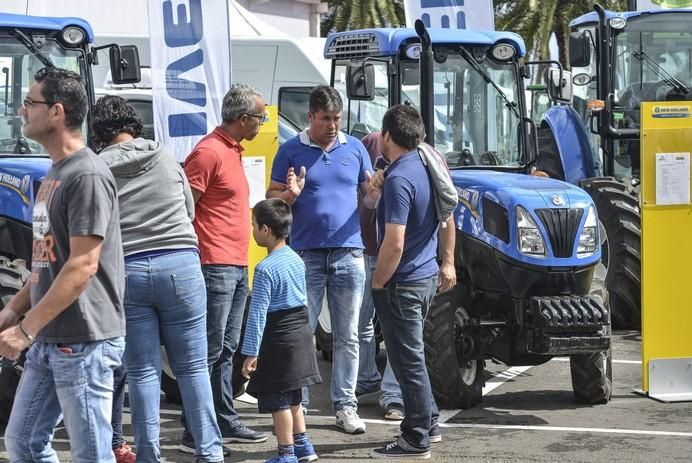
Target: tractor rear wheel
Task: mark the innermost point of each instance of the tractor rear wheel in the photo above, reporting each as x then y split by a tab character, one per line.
13	274
618	210
457	380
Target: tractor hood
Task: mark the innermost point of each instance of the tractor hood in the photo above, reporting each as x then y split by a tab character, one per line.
19	182
525	190
488	210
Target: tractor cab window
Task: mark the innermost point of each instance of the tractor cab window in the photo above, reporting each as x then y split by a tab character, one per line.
476	108
17	68
653	62
363	117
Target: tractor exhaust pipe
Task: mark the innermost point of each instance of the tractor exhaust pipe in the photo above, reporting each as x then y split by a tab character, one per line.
426	82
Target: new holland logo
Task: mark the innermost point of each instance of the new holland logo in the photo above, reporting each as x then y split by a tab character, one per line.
557	200
673	112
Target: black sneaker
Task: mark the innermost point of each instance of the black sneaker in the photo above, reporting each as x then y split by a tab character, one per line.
242	434
435	434
188	446
394	450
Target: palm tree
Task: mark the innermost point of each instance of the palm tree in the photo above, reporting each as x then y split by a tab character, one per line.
360	14
537	20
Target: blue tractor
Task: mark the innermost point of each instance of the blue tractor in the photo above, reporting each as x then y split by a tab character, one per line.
618	60
527	246
27	44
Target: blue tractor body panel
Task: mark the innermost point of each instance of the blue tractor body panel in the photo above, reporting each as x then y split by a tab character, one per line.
387	42
19	177
25	22
573	142
510	191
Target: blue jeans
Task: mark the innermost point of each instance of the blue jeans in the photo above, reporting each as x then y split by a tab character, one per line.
119	380
76	387
342	272
227	290
391	392
165	303
401	308
369	378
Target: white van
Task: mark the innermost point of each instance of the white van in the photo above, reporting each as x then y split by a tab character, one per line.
283	69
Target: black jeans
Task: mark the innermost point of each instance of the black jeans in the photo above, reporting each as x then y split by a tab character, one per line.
401	308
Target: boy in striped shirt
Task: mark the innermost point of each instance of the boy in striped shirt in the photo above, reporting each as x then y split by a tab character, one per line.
278	339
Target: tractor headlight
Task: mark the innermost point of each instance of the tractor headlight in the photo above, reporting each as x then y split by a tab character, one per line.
73	35
588	240
530	239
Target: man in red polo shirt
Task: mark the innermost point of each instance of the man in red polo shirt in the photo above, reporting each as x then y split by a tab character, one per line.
222	222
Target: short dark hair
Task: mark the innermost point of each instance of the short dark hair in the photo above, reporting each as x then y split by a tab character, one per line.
64	87
405	125
275	214
325	98
111	116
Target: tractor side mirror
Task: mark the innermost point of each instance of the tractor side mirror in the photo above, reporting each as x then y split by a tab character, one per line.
360	82
559	85
579	49
124	62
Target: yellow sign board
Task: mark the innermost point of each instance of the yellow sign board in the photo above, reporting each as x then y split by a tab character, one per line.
257	159
666	144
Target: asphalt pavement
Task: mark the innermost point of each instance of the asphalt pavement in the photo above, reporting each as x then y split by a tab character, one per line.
527	415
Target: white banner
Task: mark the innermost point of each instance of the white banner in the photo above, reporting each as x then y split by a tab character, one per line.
190	69
451	14
645	5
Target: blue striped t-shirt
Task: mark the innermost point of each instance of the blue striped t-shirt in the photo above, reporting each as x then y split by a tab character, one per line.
278	284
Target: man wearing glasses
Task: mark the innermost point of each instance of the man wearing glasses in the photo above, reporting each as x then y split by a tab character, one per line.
70	312
222	221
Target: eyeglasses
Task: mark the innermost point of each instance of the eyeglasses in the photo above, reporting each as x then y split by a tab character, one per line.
261	117
29	102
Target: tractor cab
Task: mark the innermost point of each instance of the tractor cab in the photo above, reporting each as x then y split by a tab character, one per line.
475	116
620	60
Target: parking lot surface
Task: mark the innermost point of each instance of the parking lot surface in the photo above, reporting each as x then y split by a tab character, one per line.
527	415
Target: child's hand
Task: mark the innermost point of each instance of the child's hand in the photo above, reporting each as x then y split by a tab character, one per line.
249	366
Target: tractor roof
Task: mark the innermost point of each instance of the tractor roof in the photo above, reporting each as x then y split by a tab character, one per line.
592	17
38	23
386	42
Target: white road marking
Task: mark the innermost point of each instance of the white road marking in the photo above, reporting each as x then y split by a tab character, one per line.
518	427
505	376
640	432
627	362
446	415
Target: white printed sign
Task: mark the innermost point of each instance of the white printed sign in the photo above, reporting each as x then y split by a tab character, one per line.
190	69
451	14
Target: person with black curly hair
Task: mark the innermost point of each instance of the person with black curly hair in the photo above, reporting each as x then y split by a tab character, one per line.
165	295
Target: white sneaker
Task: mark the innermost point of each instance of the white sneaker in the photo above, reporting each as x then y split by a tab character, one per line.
348	420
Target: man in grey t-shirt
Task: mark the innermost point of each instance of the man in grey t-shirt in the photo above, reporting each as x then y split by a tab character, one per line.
70	312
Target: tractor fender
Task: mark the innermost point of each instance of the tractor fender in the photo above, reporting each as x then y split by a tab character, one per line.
573	143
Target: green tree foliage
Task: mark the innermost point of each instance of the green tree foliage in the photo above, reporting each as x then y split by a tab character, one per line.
360	14
536	20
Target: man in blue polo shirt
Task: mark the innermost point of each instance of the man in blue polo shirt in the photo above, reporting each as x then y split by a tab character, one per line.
318	173
405	280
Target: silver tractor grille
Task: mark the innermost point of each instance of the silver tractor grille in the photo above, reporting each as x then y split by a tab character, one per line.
353	46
